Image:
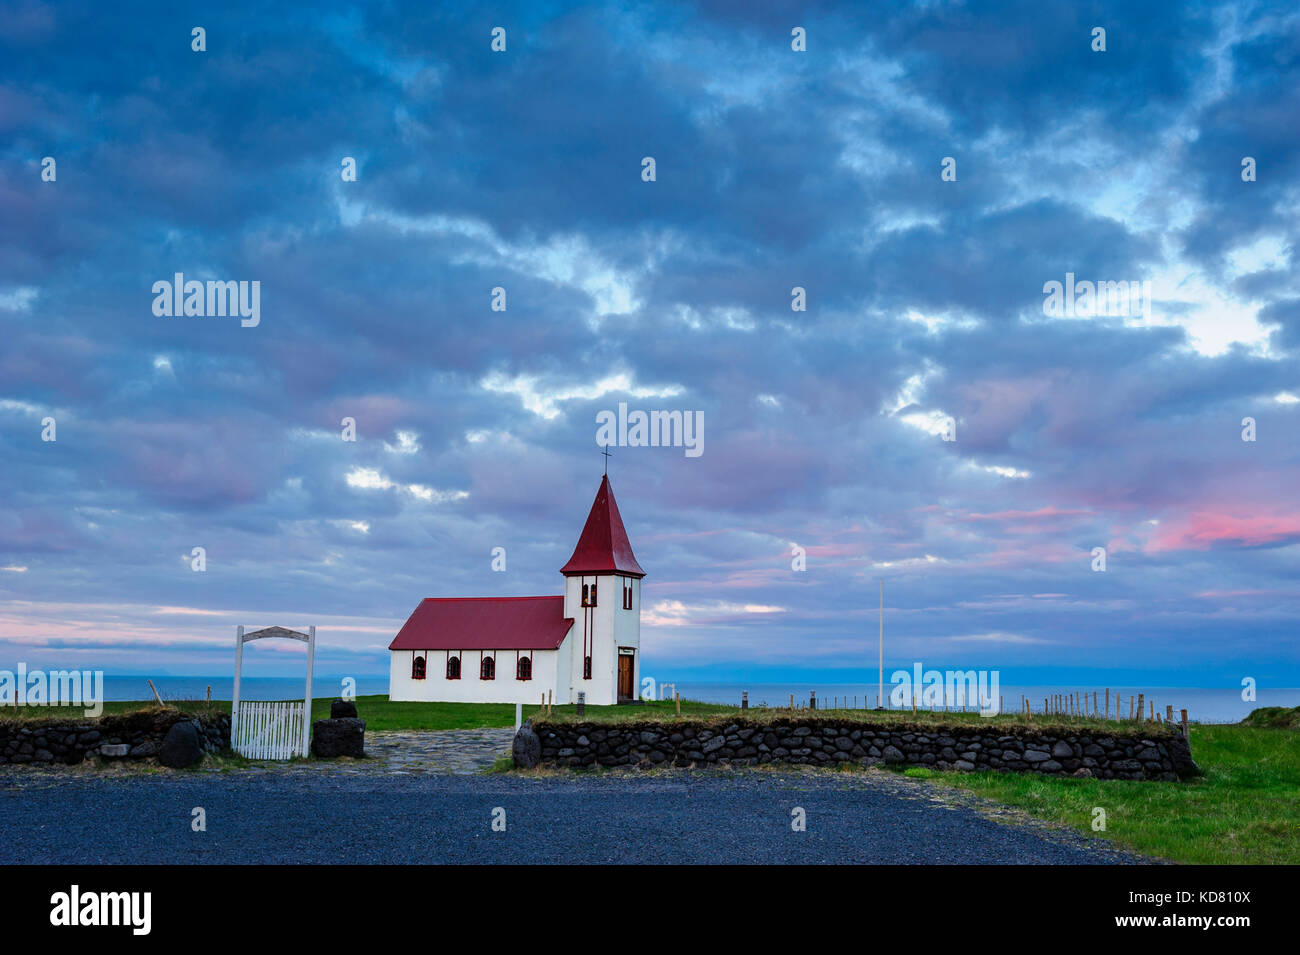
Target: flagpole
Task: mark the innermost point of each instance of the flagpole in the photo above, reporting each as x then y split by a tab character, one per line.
880	689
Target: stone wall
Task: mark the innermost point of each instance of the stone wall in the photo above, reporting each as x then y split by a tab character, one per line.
126	736
1139	752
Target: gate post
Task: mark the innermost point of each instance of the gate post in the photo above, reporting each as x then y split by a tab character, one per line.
306	703
234	697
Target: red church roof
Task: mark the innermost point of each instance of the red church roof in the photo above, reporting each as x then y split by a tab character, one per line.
485	623
603	547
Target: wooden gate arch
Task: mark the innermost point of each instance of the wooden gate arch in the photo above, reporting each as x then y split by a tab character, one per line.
271	729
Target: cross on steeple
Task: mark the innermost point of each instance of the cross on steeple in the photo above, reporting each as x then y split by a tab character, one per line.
606	453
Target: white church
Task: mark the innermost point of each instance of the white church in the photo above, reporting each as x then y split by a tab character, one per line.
520	649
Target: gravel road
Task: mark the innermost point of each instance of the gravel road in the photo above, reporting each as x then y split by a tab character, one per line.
724	817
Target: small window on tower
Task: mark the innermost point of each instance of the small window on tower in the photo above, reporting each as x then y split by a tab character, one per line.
627	595
586	667
589	595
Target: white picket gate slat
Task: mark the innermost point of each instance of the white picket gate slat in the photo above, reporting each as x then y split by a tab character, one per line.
267	729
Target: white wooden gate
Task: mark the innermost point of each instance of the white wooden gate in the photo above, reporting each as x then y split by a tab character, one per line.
274	729
270	729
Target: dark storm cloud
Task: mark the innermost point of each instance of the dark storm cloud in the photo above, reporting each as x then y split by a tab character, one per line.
522	171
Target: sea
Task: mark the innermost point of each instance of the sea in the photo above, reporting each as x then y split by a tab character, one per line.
1203	704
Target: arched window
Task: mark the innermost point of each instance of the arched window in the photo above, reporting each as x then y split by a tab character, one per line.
487	670
453	668
524	669
417	668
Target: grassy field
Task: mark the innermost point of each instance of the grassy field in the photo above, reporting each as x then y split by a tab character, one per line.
382	714
1245	809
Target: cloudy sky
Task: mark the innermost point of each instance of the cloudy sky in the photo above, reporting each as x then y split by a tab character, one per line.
823	429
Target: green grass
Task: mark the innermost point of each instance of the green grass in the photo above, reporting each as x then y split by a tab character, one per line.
380	713
1274	717
1245	809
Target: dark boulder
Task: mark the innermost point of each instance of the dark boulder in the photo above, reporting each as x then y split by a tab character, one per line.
145	749
341	737
527	748
343	710
1181	755
181	747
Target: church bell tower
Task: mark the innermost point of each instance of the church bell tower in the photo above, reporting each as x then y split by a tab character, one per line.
602	595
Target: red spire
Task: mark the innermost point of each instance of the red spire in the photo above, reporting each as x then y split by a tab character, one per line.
603	547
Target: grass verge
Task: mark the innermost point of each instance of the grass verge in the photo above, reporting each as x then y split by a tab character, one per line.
1245	809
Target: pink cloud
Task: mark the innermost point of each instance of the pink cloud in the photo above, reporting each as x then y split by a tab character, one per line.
1203	530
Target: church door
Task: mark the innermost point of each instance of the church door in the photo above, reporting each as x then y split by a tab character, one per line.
625	688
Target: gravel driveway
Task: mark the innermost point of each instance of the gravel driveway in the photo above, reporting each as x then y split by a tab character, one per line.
740	816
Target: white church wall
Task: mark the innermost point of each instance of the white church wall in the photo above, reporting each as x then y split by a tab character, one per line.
564	669
435	687
627	631
627	623
602	688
